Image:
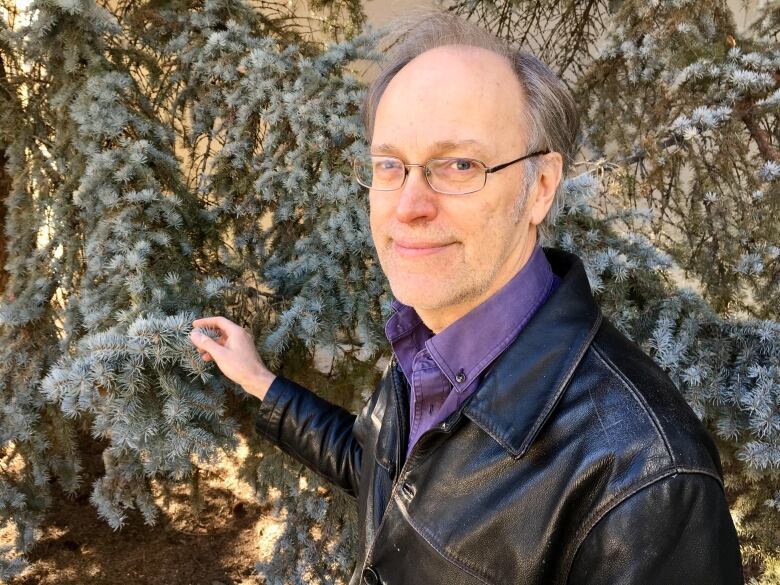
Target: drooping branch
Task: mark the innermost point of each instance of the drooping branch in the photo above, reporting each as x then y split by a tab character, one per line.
744	111
537	25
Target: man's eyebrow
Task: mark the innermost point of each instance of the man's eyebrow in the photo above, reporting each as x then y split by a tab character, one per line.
440	146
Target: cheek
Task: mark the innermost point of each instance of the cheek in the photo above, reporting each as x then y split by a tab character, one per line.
377	217
490	233
478	223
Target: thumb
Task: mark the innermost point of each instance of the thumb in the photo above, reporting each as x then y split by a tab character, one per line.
205	343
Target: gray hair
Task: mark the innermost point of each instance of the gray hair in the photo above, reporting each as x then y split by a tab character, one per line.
551	119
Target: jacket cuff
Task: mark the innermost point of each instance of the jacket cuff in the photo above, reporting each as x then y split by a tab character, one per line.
272	406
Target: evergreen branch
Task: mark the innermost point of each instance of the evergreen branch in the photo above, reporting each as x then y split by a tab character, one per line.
744	111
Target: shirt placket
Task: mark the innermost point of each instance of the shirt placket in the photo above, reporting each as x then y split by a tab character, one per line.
430	388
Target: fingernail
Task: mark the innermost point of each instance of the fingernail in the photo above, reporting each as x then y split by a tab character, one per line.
197	335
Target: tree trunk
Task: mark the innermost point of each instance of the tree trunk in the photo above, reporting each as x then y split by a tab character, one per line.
5	190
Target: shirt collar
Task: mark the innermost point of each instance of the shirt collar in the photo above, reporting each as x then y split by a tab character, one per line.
537	367
471	343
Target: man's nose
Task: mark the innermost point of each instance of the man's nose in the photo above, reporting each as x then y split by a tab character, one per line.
416	200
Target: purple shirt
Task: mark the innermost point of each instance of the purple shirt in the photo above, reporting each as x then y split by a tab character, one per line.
456	357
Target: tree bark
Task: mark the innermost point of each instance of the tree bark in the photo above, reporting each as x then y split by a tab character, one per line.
5	190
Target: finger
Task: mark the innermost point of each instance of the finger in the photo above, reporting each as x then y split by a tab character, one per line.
206	344
200	340
220	338
217	322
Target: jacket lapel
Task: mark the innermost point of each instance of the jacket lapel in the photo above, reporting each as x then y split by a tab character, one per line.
520	391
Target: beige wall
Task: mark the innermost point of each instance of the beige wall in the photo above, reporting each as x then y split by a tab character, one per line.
379	11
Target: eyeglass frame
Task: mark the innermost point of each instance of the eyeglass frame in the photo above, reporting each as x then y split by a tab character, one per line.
426	173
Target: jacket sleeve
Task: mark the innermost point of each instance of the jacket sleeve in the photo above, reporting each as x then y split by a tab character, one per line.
675	531
316	432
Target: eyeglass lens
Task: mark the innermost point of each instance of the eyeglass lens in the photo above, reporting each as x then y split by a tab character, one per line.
447	175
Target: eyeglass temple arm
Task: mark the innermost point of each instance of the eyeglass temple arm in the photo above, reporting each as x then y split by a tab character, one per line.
511	162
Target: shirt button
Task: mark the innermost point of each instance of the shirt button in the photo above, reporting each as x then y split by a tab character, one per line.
460	376
370	576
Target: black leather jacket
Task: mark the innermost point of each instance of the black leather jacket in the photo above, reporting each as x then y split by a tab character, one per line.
576	461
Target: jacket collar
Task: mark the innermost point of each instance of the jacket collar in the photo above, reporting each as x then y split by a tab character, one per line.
472	342
520	391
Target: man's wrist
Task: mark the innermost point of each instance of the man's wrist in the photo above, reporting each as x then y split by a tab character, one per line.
259	384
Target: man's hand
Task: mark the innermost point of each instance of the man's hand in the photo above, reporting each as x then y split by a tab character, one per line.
234	353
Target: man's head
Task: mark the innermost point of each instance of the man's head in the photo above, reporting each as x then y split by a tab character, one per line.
452	90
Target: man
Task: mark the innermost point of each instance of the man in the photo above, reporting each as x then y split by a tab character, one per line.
516	436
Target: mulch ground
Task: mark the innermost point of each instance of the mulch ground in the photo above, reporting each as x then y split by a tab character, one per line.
218	546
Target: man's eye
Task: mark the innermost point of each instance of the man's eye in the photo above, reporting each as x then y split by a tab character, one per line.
462	164
386	165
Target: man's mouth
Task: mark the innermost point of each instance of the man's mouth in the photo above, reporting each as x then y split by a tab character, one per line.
411	248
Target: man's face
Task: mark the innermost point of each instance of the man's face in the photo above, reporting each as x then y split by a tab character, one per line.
439	250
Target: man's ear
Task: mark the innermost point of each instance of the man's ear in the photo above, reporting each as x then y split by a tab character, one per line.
547	179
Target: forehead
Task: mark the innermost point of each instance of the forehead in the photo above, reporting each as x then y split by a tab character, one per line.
451	95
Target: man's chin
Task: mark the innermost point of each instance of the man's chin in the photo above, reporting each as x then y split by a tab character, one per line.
423	295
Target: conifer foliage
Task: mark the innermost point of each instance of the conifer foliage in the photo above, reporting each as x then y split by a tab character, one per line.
160	173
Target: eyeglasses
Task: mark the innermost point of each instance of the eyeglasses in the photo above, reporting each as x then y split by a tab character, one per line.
451	176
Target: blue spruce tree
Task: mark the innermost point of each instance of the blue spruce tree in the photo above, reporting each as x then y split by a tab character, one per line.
200	166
